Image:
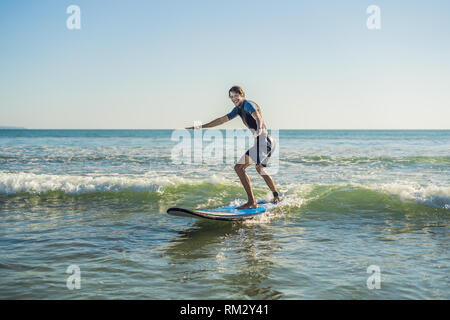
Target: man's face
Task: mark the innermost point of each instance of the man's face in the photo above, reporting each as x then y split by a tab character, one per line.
236	98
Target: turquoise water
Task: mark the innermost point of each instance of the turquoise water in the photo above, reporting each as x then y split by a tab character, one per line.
97	199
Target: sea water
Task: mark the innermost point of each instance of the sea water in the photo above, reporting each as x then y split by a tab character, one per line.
365	215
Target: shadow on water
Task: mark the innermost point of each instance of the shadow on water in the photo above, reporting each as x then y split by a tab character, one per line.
225	260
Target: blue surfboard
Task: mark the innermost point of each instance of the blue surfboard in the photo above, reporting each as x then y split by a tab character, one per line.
226	213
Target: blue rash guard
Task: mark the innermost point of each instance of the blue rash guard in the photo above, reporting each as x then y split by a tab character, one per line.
262	149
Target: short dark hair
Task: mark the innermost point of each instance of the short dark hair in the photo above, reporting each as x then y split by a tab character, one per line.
236	89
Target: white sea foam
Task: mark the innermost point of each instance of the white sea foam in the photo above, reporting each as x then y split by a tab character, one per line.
430	195
295	195
11	183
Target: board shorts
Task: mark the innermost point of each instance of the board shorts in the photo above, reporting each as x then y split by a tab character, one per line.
262	149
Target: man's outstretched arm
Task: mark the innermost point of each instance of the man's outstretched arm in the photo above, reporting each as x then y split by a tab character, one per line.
214	123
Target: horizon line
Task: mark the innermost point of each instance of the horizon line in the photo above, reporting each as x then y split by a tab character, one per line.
334	129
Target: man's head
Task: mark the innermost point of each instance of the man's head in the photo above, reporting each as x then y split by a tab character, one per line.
236	95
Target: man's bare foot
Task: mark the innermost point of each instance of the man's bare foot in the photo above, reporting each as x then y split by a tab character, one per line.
248	205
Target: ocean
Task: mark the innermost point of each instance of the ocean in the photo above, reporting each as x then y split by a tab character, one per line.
365	215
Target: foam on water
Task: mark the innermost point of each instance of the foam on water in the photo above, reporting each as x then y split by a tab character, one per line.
11	183
431	195
295	195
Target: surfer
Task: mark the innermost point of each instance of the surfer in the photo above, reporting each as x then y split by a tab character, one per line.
259	153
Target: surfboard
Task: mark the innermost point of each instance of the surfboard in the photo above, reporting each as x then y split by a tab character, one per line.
226	213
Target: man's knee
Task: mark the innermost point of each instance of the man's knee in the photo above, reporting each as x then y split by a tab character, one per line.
260	169
239	167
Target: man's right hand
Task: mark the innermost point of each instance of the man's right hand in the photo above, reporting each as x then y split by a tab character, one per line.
191	128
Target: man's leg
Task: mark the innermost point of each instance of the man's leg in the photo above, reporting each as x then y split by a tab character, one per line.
268	180
240	170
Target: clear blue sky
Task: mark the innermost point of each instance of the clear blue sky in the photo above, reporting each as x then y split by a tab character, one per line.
163	64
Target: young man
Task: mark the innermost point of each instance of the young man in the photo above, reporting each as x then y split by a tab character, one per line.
262	149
